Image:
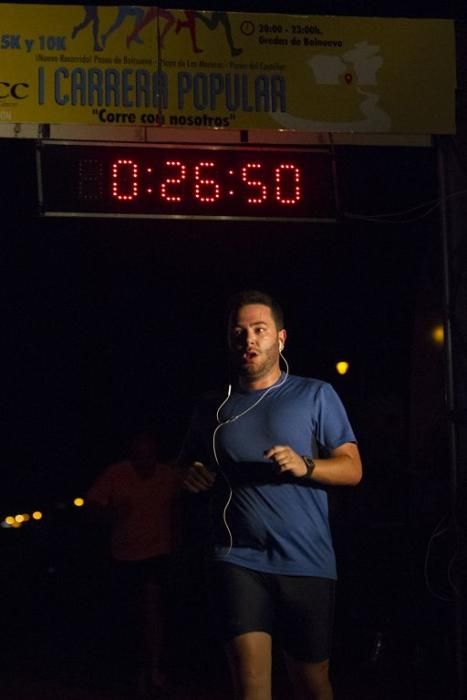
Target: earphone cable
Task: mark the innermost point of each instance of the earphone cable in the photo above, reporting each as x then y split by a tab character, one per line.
221	424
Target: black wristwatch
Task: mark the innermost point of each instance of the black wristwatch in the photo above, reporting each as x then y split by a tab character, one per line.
310	466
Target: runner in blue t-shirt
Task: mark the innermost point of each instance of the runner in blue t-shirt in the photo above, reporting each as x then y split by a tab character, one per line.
265	452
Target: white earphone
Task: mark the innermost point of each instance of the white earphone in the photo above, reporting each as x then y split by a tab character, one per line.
281	345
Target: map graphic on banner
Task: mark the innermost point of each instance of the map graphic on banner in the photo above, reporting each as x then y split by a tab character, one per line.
131	65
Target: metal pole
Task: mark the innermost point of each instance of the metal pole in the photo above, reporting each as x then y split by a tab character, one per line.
450	399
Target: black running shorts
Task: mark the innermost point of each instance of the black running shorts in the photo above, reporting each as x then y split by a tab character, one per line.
298	609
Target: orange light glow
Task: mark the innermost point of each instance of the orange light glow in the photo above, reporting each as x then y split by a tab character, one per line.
437	334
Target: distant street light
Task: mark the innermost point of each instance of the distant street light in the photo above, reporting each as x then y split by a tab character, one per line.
437	334
342	367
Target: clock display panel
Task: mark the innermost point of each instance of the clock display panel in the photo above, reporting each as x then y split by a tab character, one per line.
180	181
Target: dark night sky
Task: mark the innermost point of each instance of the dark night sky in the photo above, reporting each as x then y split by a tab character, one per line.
371	8
108	323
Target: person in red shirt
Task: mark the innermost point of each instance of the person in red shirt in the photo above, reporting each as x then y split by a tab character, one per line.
140	497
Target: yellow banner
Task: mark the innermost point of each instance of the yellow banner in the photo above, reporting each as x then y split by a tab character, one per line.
128	65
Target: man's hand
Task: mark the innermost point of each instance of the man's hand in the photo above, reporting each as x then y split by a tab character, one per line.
343	467
287	460
198	478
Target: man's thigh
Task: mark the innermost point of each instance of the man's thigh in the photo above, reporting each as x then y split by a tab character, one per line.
305	614
241	601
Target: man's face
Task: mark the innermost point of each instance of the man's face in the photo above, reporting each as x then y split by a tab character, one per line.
254	342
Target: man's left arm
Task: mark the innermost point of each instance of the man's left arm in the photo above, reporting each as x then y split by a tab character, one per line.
343	467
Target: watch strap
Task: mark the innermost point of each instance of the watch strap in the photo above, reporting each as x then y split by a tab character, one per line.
310	466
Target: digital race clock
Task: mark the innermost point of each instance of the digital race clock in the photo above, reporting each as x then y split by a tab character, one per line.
180	181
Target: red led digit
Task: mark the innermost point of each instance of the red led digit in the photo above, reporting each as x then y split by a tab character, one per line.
288	177
205	190
262	192
125	175
177	180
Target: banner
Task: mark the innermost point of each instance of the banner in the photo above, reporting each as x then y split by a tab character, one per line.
129	65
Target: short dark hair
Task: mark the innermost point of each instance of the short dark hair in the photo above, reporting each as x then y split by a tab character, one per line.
254	296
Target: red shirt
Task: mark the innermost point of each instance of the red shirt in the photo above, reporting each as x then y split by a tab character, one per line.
144	506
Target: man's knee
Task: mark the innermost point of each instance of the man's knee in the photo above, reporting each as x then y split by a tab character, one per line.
311	678
250	663
252	677
319	675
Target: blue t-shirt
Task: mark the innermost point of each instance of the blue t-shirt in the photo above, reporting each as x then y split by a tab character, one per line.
276	523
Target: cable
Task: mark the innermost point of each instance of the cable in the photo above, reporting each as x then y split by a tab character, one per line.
385	218
222	423
436	533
